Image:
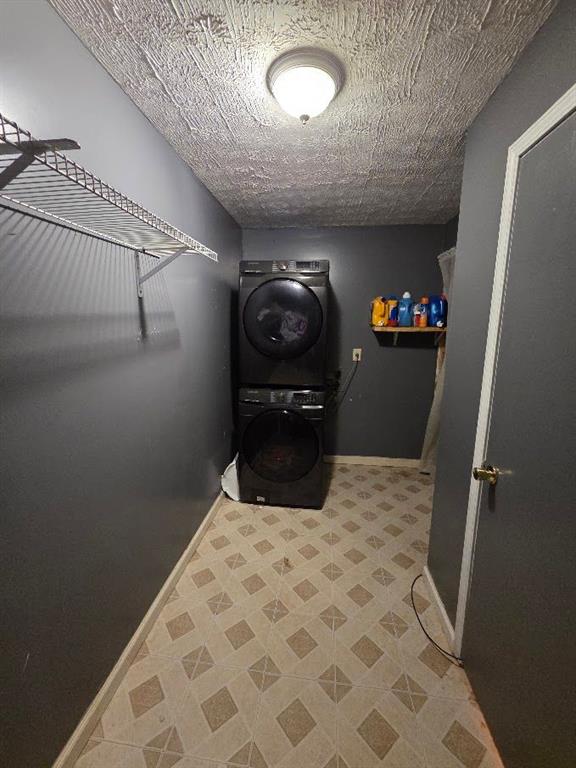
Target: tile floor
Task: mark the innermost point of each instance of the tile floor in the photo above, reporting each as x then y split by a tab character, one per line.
290	642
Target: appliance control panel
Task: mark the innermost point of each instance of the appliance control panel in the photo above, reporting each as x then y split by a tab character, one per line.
303	398
288	266
308	398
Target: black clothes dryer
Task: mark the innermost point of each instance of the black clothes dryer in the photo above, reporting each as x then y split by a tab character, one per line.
280	459
283	314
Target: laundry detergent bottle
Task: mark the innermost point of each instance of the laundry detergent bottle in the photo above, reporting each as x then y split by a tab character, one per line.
424	312
378	317
392	305
405	310
438	311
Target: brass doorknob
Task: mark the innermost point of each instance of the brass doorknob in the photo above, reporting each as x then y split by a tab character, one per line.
486	473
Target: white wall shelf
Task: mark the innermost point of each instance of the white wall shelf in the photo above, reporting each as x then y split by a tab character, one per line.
37	175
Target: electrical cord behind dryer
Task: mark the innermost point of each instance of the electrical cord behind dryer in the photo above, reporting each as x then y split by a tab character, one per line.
339	391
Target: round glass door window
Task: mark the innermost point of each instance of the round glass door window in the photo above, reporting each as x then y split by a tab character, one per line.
282	318
280	446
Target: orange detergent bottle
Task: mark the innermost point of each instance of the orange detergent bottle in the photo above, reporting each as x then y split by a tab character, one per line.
424	312
378	306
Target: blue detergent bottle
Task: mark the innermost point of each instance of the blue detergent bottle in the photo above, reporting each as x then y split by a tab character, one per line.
438	311
405	310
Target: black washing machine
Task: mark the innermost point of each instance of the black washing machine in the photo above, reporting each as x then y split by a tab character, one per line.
283	314
280	459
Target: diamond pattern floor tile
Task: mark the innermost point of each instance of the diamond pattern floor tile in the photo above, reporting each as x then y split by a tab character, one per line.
290	640
103	754
219	714
146	702
296	725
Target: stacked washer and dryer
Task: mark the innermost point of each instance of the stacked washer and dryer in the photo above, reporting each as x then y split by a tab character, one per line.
282	354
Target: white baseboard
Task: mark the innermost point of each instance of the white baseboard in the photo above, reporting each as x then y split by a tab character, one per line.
77	741
446	623
373	461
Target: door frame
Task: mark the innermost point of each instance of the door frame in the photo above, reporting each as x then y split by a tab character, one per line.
547	122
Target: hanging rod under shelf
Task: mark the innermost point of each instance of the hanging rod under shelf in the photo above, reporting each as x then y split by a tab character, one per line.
37	175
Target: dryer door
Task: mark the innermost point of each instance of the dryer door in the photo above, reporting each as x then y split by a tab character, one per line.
283	318
280	446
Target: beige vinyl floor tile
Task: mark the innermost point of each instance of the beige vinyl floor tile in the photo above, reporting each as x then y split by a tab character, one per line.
301	645
146	702
296	724
102	754
375	729
290	640
180	629
219	714
306	590
367	656
453	733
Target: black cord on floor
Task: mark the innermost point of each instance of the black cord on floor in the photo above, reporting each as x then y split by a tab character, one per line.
458	661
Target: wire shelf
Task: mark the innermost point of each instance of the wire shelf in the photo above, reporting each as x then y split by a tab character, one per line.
45	180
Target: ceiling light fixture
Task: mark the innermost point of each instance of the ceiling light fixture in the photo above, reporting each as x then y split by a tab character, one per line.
305	81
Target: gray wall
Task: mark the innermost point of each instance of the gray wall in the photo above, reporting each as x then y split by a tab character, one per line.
385	411
451	233
111	447
544	72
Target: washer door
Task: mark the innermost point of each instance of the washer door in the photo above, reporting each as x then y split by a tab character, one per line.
283	318
280	446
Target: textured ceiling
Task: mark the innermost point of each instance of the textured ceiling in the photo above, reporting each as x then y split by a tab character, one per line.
388	150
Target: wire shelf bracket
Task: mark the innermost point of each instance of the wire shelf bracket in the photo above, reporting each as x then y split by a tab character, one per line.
37	175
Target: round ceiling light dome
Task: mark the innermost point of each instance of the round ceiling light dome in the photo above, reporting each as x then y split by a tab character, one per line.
305	81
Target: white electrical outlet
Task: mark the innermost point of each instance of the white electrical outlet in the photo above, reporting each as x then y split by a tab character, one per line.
357	354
